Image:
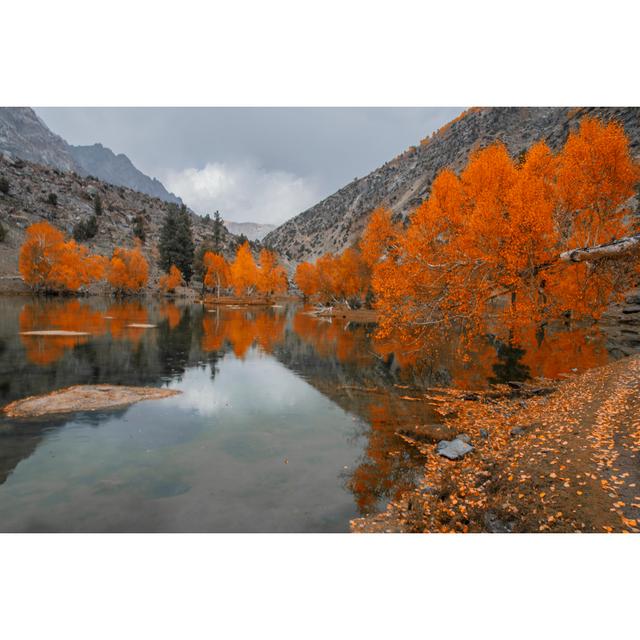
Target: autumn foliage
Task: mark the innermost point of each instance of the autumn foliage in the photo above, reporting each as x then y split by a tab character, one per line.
484	246
272	277
170	281
244	271
243	275
306	279
335	278
48	262
128	271
217	272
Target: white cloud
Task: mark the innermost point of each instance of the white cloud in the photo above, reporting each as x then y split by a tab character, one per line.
243	192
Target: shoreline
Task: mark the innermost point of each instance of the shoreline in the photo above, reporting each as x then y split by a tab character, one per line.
566	461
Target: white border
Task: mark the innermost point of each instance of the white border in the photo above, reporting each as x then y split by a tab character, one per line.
318	53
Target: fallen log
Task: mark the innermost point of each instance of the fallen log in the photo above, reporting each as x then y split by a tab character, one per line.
615	249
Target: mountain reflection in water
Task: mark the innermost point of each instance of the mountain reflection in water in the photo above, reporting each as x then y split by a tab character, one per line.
287	422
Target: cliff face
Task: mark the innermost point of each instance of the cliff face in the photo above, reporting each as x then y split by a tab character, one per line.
404	182
23	135
28	201
96	160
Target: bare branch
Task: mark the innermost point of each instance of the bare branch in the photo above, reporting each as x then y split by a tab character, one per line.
615	249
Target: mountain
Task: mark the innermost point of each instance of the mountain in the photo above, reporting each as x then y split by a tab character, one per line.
404	182
101	162
251	230
24	135
29	200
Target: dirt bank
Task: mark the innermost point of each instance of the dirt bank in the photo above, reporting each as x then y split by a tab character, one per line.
562	462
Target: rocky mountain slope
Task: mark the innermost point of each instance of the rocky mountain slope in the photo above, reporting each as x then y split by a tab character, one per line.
29	201
252	230
24	135
101	162
402	183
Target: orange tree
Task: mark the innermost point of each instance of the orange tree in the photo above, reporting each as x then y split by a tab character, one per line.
510	230
244	272
49	263
169	281
306	279
127	271
272	277
217	272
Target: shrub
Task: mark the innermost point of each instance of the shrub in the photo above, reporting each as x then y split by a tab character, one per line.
3	232
85	230
97	205
4	185
52	199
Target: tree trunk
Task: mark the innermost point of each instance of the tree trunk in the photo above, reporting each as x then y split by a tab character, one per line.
615	249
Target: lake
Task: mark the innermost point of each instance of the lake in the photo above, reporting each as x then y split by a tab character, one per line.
286	422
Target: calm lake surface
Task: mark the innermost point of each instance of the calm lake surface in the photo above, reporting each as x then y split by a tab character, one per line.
286	422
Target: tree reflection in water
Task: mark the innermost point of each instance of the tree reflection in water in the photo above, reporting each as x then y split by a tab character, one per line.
381	384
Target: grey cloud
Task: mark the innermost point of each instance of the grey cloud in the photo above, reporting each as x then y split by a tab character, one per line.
298	153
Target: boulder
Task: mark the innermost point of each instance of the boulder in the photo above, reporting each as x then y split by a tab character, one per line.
453	449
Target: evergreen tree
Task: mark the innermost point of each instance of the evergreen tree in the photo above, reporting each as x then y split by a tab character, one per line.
176	242
140	227
217	232
85	229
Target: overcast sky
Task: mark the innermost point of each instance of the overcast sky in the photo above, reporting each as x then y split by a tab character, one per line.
251	164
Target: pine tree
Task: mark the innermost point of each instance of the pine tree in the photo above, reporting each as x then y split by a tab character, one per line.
176	242
188	247
217	232
140	227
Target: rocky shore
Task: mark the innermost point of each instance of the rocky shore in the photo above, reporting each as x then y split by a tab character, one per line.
560	460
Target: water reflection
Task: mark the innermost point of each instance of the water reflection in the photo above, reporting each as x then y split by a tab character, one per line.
261	386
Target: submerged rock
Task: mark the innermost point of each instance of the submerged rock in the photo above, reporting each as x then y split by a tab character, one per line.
87	397
453	449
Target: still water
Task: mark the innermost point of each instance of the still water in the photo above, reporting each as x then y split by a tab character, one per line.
286	422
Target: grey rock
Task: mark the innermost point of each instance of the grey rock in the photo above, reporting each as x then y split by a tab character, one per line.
484	433
427	489
24	135
101	162
517	431
453	449
464	437
494	524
